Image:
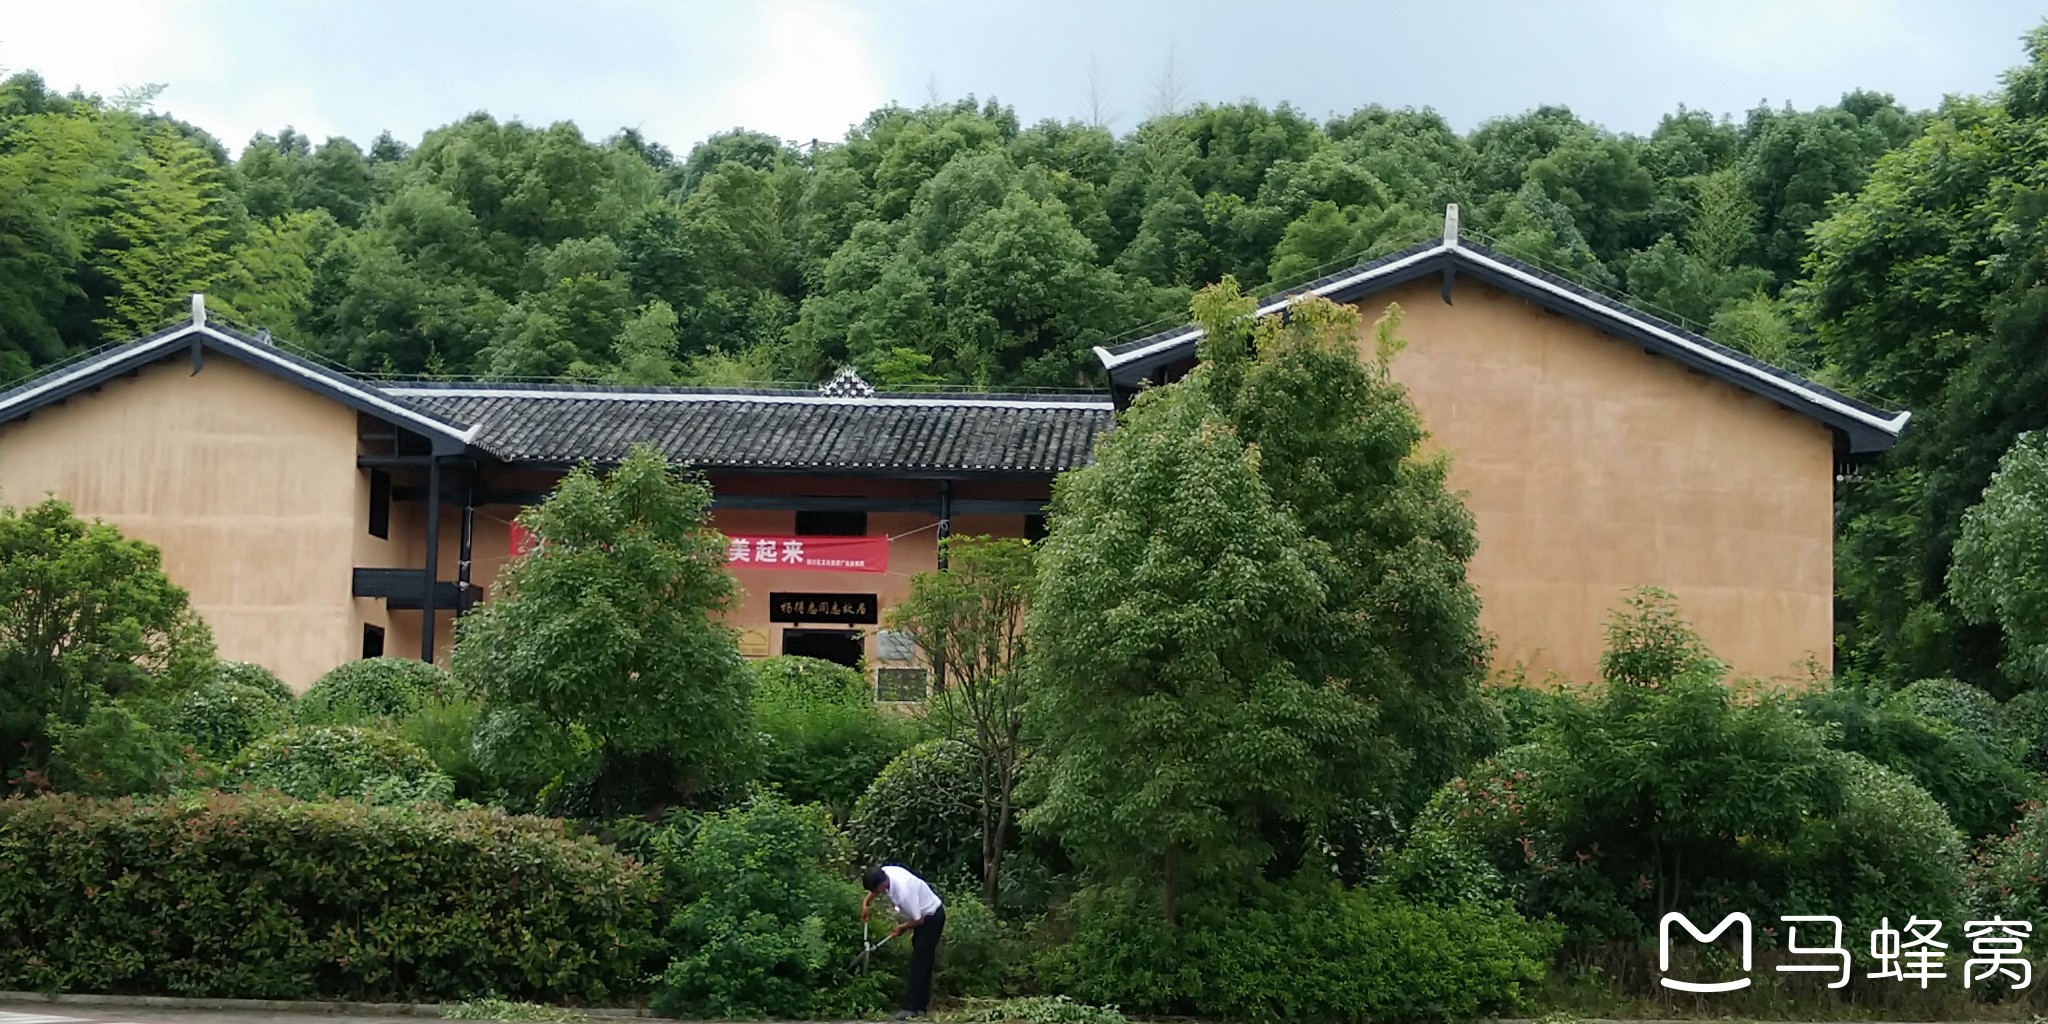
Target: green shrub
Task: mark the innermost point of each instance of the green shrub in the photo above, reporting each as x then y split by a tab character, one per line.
1961	705
248	674
1305	951
222	718
768	919
976	951
374	689
1475	831
314	762
232	896
1670	790
826	741
2024	723
1522	709
446	732
1890	851
2005	875
923	812
524	755
1038	1010
1981	784
116	752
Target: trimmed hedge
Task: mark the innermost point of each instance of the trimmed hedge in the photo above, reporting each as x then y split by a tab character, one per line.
223	718
1302	951
263	897
315	762
249	674
923	812
373	689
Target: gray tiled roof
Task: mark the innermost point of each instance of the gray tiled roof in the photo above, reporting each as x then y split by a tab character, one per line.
733	429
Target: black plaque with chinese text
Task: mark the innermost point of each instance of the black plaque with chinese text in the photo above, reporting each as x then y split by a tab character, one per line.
838	609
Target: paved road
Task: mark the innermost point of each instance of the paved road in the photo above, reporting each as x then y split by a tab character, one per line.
64	1013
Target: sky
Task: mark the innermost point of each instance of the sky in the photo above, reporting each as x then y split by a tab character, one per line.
680	70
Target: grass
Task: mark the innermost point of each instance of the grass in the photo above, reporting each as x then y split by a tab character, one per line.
507	1010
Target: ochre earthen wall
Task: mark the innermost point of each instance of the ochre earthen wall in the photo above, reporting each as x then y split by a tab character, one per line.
1592	467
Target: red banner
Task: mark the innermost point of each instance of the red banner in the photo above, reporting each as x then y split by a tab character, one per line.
813	554
816	554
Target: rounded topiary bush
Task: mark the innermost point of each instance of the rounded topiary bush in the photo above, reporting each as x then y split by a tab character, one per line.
1889	851
1959	704
254	896
923	812
221	718
825	741
246	673
785	684
323	762
373	689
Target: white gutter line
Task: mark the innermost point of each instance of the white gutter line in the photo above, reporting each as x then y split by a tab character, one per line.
1892	426
1111	361
91	366
659	396
172	340
399	411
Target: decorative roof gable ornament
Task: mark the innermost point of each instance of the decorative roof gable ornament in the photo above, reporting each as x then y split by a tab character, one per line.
848	384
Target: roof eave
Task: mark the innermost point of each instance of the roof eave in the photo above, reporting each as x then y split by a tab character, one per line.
68	382
1866	431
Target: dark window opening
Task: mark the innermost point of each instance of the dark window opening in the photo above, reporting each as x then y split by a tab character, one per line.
831	524
839	646
1034	528
380	504
373	641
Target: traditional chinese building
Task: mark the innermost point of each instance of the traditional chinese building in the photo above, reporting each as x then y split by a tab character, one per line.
316	516
1600	448
305	510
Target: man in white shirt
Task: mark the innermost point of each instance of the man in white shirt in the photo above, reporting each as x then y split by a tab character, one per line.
923	915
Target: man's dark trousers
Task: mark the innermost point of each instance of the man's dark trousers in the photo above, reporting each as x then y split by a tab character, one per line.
924	949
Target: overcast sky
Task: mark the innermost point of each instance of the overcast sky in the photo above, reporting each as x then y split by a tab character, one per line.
804	69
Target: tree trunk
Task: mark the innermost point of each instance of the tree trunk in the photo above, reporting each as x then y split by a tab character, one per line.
992	859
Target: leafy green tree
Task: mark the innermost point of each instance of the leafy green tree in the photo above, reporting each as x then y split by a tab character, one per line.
1930	289
1723	223
1721	770
967	621
646	350
1338	448
86	616
167	236
2000	573
54	163
1531	225
271	282
1795	162
1172	726
607	629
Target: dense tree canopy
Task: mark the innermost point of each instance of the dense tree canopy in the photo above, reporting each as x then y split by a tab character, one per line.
948	243
1892	253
